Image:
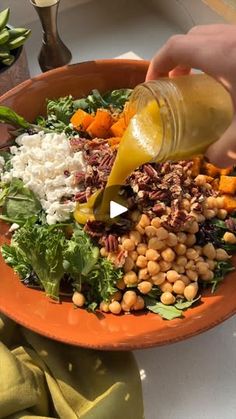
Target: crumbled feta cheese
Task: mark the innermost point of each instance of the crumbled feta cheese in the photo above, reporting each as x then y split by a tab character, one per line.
40	161
13	227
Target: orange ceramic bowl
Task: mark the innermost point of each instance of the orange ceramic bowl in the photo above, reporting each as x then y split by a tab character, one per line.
62	321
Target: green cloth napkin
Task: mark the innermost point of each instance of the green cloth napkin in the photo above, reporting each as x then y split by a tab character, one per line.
41	378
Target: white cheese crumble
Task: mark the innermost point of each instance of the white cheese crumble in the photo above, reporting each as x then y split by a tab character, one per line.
41	161
2	163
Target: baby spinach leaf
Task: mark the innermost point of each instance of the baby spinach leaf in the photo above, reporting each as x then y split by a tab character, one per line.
18	203
166	312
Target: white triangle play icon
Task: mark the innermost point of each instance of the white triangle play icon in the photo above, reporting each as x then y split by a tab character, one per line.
116	209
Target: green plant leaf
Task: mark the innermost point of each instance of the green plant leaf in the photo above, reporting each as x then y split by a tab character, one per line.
183	305
4	16
4	36
18	203
8	116
166	312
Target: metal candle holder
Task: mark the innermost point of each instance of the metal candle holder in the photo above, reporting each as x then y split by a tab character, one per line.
54	53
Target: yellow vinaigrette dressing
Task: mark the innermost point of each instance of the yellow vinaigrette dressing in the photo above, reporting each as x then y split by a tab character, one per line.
174	119
140	143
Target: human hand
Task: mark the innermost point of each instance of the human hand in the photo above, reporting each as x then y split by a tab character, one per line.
212	49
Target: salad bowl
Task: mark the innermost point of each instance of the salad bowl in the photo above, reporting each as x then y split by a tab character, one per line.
62	321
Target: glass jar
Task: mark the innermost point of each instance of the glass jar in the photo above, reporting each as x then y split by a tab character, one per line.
195	110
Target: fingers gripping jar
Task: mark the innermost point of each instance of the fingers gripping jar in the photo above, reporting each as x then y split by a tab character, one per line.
194	111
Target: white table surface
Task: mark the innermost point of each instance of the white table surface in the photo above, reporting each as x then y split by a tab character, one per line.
191	379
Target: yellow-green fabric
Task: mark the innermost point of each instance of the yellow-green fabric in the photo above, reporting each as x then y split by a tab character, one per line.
41	378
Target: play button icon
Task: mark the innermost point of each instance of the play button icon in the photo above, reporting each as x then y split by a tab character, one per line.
116	209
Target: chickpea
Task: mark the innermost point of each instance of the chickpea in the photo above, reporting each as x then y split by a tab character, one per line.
153	267
155	244
209	251
104	306
194	227
186	204
159	278
172	275
120	284
168	254
178	268
180	249
207	276
172	240
130	278
150	231
200	218
140	304
211	202
191	254
143	274
181	237
144	221
156	222
124	306
209	213
192	275
123	238
221	254
128	245
140	229
130	298
167	298
135	215
202	267
198	250
103	252
191	240
142	248
211	264
133	255
229	238
190	291
144	287
129	264
135	236
222	214
185	279
219	202
115	307
166	286
162	233
178	287
152	254
190	265
181	260
78	299
200	180
165	266
141	262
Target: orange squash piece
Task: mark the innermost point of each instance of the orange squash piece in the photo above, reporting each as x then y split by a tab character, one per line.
227	170
81	120
118	128
227	184
100	127
212	170
229	203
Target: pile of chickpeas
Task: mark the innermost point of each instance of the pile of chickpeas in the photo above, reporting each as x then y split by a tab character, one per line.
154	256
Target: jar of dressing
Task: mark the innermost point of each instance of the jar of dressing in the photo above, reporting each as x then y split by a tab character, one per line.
188	112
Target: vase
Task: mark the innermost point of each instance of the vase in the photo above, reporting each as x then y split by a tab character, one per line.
16	73
54	53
